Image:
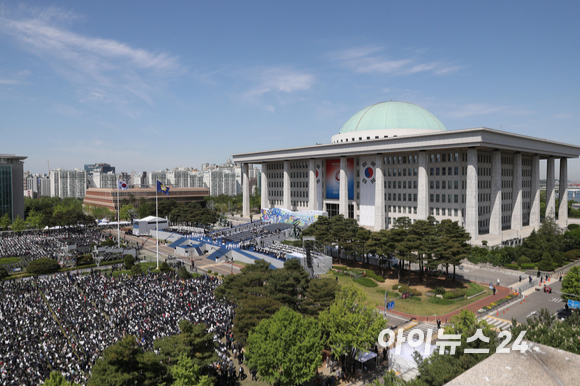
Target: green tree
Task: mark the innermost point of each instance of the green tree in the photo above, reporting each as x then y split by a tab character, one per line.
571	284
43	266
124	212
289	284
352	323
3	273
194	341
320	295
136	269
546	264
56	379
34	219
18	225
286	348
551	232
543	328
251	311
250	282
125	363
533	247
186	373
5	222
440	369
453	247
129	261
184	273
164	267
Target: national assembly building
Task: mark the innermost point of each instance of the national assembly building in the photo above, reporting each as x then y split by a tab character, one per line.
395	159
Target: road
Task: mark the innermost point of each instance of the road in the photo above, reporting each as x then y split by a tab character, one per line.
485	276
535	302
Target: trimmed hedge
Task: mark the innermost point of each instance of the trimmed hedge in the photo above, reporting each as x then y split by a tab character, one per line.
366	282
370	273
512	266
529	266
436	300
406	288
43	266
454	294
439	290
3	273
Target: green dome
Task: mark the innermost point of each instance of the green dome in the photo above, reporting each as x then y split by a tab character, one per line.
392	116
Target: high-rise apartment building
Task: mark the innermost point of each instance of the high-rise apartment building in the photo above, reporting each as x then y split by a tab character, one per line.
11	185
68	183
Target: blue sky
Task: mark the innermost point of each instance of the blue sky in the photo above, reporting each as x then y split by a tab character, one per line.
145	85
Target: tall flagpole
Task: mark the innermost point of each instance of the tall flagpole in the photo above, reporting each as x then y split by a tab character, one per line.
118	219
157	225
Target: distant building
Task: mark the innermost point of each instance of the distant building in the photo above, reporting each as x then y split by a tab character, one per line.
107	198
101	168
179	178
105	180
139	180
11	185
160	175
68	183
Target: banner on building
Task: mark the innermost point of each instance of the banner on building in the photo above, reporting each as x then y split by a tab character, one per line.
333	178
367	169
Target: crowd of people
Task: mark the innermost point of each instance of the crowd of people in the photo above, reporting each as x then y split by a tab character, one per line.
64	322
51	244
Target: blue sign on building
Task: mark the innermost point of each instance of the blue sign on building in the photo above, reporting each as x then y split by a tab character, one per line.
574	304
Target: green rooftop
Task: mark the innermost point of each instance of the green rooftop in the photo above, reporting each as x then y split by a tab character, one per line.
392	115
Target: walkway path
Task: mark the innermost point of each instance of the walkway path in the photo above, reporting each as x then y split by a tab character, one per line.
502	292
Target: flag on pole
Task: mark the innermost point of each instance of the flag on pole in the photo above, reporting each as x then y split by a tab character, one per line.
122	185
162	188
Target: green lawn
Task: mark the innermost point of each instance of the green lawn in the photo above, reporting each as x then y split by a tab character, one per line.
240	263
410	306
9	260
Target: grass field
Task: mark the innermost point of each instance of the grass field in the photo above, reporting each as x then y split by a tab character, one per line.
9	260
415	306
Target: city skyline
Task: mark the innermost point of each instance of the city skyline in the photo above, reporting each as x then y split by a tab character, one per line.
185	84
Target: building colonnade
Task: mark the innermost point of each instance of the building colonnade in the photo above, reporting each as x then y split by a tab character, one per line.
505	186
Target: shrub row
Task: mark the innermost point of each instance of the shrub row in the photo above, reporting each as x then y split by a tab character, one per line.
43	266
406	288
370	273
529	266
512	266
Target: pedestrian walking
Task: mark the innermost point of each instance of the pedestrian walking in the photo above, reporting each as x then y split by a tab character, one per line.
494	291
520	278
498	281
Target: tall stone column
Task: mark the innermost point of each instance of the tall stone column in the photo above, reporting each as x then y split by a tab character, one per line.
287	203
265	187
471	200
343	188
312	188
422	187
495	217
550	189
245	191
379	194
535	193
563	209
517	219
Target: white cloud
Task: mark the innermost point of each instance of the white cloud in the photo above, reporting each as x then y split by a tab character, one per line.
95	64
370	60
563	116
277	81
